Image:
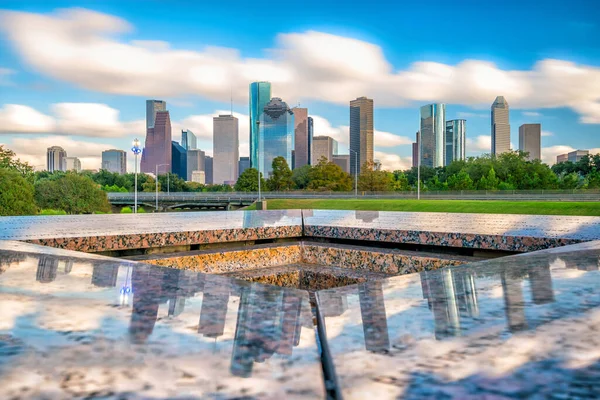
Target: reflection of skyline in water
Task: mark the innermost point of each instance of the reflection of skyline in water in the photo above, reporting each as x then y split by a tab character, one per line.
366	216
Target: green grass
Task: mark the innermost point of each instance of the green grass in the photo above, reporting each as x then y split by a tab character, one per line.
454	206
50	211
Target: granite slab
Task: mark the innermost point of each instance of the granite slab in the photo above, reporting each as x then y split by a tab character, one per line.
518	233
75	325
109	232
523	326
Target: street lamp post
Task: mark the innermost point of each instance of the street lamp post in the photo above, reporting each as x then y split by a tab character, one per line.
136	151
355	173
257	156
156	183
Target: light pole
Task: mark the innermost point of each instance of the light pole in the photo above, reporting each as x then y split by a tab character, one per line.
355	173
257	155
156	183
136	151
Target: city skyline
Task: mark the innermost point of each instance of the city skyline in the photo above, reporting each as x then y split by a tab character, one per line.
86	111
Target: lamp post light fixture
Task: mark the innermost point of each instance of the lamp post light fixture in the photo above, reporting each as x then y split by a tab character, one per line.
258	156
136	151
355	173
156	184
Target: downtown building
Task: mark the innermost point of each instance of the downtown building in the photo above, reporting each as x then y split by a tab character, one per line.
302	137
114	160
157	147
456	133
260	96
71	164
500	126
361	133
243	164
178	160
188	140
432	135
324	147
530	141
415	151
226	144
55	157
573	156
195	163
276	135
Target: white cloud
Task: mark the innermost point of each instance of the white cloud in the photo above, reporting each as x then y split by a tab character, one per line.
80	46
531	114
392	162
547	133
549	153
481	143
5	74
81	119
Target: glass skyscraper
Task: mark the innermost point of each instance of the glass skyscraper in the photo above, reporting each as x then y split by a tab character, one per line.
179	160
152	107
311	131
456	131
188	139
114	160
276	135
260	95
433	127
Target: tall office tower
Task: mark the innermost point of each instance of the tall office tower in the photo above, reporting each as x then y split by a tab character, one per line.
195	162
157	149
188	139
311	131
226	149
530	140
324	146
152	107
433	126
342	161
114	160
54	158
71	164
500	126
415	151
260	95
179	160
301	138
456	133
361	132
243	164
208	170
276	135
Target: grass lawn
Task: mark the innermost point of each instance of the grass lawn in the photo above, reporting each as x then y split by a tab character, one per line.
457	206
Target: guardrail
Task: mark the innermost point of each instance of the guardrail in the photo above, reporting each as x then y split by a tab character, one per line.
515	195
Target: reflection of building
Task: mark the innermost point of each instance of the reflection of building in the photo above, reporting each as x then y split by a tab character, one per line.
276	135
500	126
55	156
361	133
46	270
114	160
226	145
332	304
540	281
433	126
366	216
105	275
514	303
214	307
374	320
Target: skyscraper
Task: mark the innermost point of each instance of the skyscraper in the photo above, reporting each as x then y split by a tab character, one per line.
178	160
260	95
301	138
530	140
500	126
342	161
276	135
208	170
114	160
195	162
157	149
188	139
456	131
433	127
152	107
324	146
54	158
361	132
71	164
415	151
243	164
311	131
226	144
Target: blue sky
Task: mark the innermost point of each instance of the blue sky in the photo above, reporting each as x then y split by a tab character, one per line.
64	75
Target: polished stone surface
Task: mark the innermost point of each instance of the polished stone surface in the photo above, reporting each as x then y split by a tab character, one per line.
524	326
482	231
74	325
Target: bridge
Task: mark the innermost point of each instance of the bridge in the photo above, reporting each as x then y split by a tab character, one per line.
233	200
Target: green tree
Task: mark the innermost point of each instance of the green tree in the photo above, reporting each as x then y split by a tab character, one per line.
569	181
150	185
16	193
281	177
329	176
300	176
73	193
489	182
8	160
371	180
461	181
248	181
400	182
